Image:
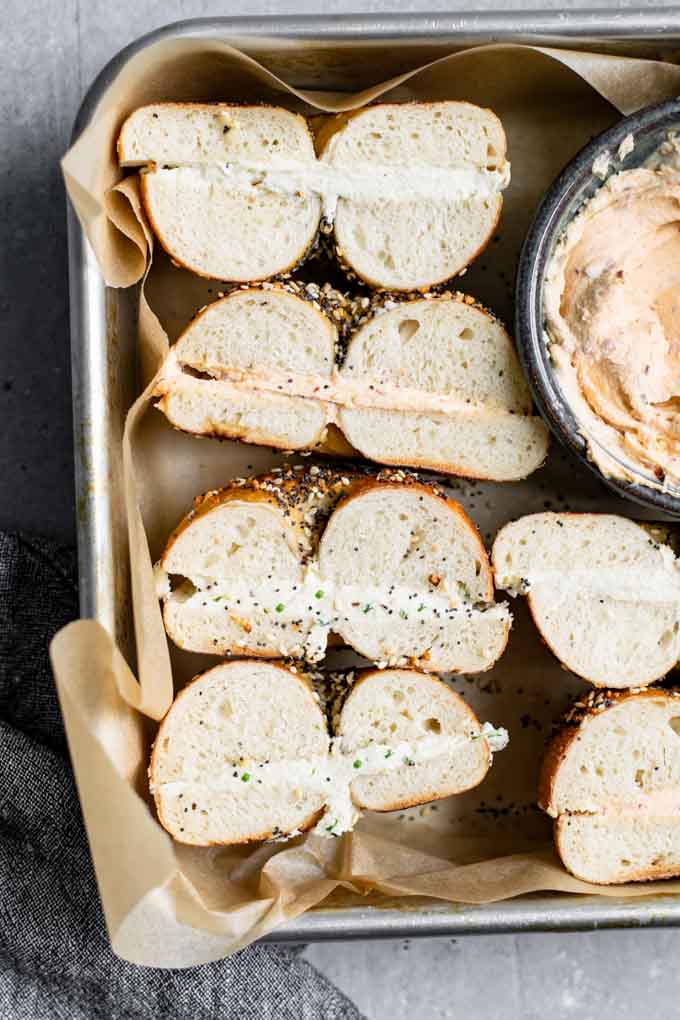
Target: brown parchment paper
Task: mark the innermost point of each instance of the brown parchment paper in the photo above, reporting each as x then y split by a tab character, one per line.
169	905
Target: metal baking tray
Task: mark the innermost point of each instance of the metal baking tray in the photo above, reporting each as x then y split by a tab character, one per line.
103	340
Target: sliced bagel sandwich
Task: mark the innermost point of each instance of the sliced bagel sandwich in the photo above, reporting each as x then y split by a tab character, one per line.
244	752
203	169
432	383
604	593
272	566
611	780
418	191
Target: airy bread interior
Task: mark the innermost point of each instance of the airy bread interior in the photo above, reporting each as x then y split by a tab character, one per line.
445	345
203	214
603	592
394	705
611	780
220	728
622	753
223	232
203	134
406	243
614	851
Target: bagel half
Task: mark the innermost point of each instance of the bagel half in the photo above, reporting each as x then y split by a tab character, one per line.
202	187
437	171
611	781
604	593
391	706
277	331
220	728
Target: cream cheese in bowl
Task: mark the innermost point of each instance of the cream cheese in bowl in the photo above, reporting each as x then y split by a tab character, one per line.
598	306
612	318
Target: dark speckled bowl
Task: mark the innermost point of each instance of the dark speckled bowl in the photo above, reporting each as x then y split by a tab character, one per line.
574	186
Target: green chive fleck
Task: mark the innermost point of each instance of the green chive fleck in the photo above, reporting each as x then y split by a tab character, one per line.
319	594
279	607
388	754
367	608
357	764
403	614
409	761
421	607
245	777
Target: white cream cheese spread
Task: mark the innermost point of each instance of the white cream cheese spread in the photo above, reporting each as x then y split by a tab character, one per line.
317	606
331	776
369	184
619	584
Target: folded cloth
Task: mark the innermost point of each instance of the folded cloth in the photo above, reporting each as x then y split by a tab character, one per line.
55	957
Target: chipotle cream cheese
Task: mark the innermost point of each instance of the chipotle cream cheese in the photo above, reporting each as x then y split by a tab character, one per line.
612	304
333	390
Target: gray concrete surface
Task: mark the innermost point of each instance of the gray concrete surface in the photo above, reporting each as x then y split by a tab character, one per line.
595	976
49	52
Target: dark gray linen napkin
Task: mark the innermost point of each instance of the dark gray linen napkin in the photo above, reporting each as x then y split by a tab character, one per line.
55	957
